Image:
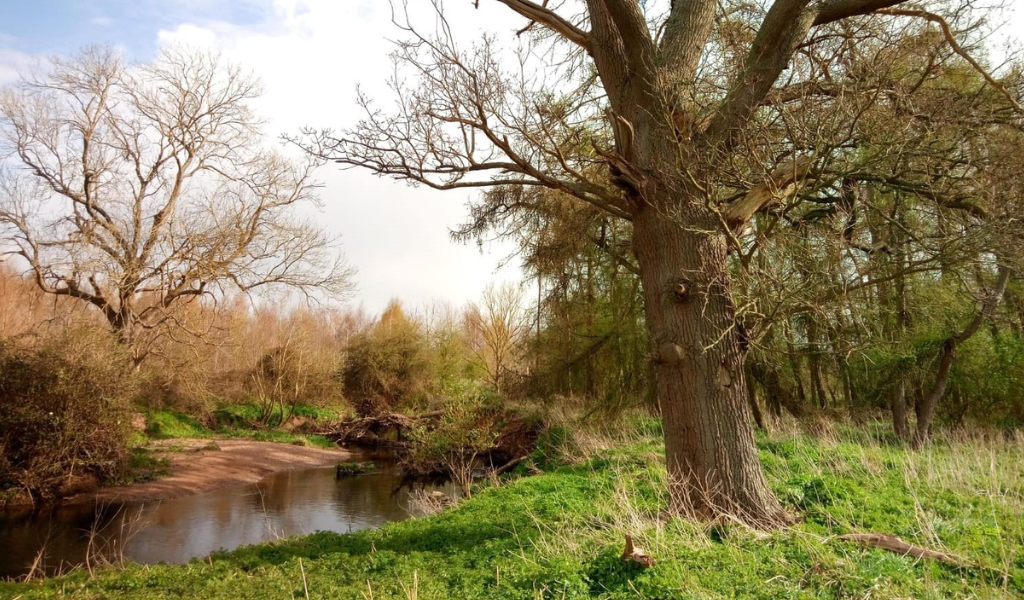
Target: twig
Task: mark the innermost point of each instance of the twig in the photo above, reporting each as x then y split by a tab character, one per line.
305	588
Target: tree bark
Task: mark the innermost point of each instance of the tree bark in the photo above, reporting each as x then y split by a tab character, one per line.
898	406
713	465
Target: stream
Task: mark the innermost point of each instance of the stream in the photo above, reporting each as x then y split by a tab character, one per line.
180	529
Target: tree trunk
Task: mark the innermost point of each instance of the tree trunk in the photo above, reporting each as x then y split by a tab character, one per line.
814	363
898	405
714	469
794	362
926	408
755	408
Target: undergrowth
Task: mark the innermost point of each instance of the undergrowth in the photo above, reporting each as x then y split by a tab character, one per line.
559	534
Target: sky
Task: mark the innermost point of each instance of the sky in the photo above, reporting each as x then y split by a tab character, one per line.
310	55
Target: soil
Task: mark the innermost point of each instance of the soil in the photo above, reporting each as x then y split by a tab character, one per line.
203	465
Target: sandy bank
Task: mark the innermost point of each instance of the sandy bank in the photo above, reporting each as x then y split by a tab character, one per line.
199	467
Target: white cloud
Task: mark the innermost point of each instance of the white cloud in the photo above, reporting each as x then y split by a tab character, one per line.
13	64
311	54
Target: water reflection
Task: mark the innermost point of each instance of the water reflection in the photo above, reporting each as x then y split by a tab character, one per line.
177	530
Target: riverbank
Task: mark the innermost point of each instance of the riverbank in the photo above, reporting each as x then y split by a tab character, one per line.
200	465
560	534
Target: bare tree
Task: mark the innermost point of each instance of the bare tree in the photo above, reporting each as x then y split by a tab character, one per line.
677	117
497	328
138	189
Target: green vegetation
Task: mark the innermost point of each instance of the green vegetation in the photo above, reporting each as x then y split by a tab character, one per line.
143	466
234	421
165	425
560	534
347	469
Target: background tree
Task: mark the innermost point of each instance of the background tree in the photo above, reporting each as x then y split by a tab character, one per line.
139	188
496	330
590	340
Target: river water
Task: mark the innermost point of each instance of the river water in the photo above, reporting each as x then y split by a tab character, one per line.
180	529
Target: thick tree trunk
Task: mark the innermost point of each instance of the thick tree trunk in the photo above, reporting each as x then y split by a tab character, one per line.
713	463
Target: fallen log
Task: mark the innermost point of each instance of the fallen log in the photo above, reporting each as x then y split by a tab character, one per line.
509	465
896	545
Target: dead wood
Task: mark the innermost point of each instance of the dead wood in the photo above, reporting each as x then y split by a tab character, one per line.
509	465
898	546
636	554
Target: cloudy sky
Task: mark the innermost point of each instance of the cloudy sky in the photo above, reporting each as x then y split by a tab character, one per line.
310	54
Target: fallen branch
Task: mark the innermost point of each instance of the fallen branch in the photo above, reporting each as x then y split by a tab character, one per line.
509	465
898	546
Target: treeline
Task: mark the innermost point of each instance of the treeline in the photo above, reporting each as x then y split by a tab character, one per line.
886	308
65	374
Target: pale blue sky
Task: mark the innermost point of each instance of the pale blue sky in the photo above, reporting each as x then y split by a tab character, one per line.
64	26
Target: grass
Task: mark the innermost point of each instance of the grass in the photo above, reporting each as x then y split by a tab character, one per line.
234	421
144	466
168	425
560	534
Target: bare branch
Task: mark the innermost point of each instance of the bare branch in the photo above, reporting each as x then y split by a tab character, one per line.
551	20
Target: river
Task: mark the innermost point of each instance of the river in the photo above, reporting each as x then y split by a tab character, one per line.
180	529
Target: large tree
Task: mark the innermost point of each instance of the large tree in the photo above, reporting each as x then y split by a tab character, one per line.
139	188
675	117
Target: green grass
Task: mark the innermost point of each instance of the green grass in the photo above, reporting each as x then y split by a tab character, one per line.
559	535
143	466
167	425
233	421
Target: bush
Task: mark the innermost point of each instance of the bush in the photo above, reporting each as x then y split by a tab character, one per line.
388	365
65	411
467	429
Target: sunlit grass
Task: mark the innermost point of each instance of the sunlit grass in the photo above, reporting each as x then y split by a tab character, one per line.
560	534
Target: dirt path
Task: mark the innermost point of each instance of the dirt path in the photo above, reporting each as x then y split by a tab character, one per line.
198	466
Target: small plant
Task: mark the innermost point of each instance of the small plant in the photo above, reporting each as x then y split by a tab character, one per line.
466	430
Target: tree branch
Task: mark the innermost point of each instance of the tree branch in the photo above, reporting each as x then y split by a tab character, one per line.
782	30
551	20
636	38
835	10
947	32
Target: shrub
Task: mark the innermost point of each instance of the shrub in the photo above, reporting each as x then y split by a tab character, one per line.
388	365
467	429
65	411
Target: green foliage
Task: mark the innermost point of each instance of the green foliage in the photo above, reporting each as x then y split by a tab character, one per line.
165	425
235	420
65	410
387	366
560	535
144	466
469	425
347	469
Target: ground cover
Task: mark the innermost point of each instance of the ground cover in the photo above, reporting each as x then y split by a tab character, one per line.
560	534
